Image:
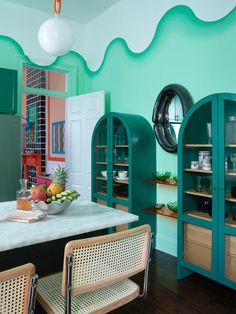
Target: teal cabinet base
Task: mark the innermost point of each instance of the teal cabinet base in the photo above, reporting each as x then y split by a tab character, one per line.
183	272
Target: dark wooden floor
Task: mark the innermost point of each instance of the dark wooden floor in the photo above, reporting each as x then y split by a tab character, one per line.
192	295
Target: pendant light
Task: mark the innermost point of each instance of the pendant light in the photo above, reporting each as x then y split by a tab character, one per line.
54	35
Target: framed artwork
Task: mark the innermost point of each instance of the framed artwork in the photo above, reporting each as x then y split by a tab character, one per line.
58	137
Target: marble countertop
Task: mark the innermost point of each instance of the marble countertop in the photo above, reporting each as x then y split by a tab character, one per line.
80	217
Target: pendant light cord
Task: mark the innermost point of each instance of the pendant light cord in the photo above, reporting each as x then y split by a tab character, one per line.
57	6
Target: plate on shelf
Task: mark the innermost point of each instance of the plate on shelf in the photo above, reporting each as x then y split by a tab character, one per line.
121	179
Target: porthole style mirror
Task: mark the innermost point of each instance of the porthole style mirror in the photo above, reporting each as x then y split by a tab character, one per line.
169	110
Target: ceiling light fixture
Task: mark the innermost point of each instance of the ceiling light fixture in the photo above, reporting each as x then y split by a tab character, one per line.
54	35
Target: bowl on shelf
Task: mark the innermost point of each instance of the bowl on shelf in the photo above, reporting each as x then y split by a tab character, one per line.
161	175
54	207
159	206
104	173
173	206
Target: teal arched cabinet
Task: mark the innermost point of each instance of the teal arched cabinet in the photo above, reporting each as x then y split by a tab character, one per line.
207	190
123	156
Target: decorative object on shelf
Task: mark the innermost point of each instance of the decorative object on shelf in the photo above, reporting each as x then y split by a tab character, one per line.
233	160
169	110
194	164
54	35
173	206
209	134
161	175
230	130
159	205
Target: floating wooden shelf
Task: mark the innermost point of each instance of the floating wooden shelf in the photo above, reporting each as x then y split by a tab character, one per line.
160	182
101	146
197	170
198	214
197	145
199	194
101	162
160	212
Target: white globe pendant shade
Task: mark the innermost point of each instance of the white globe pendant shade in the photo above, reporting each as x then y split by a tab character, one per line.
55	37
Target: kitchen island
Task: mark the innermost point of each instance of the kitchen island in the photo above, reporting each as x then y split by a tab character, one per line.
42	242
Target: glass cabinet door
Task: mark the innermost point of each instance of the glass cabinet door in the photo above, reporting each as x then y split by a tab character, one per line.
120	162
199	207
100	160
227	219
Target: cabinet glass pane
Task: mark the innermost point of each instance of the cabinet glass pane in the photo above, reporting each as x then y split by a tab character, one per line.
198	246
230	162
120	160
101	159
197	165
230	257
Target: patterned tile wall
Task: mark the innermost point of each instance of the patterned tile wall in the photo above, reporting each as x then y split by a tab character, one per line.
37	142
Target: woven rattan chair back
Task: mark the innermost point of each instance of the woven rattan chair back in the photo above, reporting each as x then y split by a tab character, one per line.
100	261
15	289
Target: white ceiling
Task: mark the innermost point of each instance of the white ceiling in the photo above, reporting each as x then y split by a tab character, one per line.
81	11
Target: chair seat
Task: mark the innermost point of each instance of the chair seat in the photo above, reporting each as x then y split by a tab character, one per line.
102	300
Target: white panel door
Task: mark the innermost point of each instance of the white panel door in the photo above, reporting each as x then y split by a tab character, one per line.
82	114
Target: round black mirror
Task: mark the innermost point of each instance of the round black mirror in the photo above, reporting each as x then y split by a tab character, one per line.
169	110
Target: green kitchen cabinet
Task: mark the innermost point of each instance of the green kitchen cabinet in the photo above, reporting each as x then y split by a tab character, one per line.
207	192
8	91
10	156
124	145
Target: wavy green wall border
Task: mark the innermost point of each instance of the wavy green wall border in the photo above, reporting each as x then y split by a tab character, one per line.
177	10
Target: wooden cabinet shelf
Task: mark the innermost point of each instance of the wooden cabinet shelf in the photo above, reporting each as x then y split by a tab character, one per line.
155	211
101	162
153	181
198	214
124	198
197	145
198	193
121	164
197	170
101	146
101	178
121	146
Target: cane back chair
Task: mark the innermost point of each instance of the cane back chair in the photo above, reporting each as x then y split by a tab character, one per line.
95	273
18	290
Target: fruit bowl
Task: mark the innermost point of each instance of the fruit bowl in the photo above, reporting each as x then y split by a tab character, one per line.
173	206
161	175
54	208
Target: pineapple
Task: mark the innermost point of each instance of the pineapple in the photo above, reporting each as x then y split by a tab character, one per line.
59	177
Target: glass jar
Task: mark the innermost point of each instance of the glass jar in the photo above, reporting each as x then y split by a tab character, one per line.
23	201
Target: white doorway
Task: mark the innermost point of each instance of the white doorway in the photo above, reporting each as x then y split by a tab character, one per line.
82	114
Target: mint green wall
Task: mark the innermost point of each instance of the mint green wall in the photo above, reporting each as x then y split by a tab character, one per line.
200	56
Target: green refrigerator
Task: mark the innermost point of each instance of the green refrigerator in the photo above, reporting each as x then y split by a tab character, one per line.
10	156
